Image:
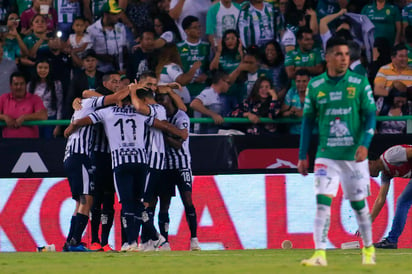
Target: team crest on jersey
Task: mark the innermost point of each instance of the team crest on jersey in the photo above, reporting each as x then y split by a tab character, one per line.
351	92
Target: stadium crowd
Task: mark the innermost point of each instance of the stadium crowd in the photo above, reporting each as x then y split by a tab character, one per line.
215	59
259	48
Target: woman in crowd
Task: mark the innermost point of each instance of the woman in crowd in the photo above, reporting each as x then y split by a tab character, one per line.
37	41
14	46
51	92
228	56
273	59
262	102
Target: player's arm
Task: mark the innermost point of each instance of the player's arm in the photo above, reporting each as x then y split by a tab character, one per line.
116	97
88	93
380	200
173	142
138	104
173	95
167	127
76	124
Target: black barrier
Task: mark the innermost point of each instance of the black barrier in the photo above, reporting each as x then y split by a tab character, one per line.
26	158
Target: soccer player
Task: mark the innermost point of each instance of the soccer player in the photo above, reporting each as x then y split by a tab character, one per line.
341	102
178	171
78	166
394	162
124	127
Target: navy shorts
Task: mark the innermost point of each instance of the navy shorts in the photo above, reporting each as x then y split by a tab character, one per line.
154	182
182	178
130	181
79	172
103	173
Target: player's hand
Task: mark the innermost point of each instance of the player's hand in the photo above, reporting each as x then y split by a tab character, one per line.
303	167
361	154
69	130
184	133
218	119
77	104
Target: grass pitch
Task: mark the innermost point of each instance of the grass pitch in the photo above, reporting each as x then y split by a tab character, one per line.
239	261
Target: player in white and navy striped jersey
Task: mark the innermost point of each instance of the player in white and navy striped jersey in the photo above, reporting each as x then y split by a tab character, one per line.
79	169
178	170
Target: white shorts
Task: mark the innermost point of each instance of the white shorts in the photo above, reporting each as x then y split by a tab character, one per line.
354	177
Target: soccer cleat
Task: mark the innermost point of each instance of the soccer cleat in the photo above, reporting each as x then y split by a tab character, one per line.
108	248
78	248
386	244
141	246
124	247
157	243
194	244
164	247
96	247
368	255
148	246
317	259
65	247
132	247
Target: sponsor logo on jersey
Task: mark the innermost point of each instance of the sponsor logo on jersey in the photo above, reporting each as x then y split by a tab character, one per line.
321	170
321	94
338	111
335	95
351	92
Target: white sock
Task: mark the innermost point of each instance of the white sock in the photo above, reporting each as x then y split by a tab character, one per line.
365	225
322	222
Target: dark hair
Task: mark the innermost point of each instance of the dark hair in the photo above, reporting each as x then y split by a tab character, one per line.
168	54
147	74
344	34
408	34
253	51
218	75
254	94
335	41
355	50
143	93
17	74
187	22
224	47
50	83
79	17
150	30
293	18
301	31
35	16
280	56
344	20
398	47
384	47
302	72
106	76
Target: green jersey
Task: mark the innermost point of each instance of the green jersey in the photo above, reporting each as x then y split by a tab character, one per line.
409	55
220	19
32	39
189	54
358	68
338	107
228	63
297	58
22	5
384	20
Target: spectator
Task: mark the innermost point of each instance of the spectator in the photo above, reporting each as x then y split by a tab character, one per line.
51	93
42	7
109	39
249	70
163	8
325	31
191	50
59	60
355	59
303	6
305	55
87	78
408	44
326	7
381	57
139	14
37	42
222	16
295	99
67	12
294	21
398	70
79	41
395	104
169	70
228	56
407	18
273	60
19	106
180	9
387	20
257	23
163	32
262	102
209	102
144	56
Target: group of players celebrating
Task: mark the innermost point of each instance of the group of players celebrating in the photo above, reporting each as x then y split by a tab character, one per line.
132	140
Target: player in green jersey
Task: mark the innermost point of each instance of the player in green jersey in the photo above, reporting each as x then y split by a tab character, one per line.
342	103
